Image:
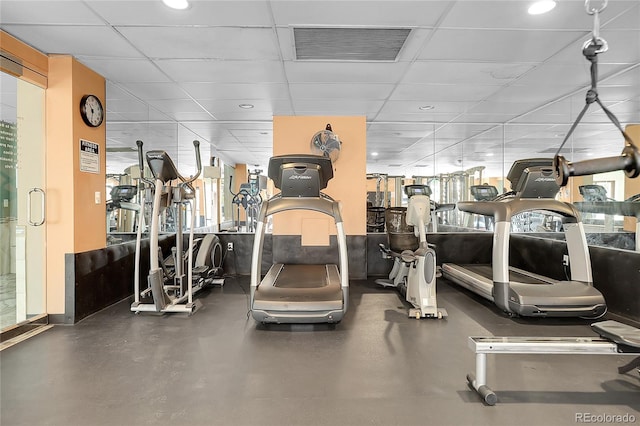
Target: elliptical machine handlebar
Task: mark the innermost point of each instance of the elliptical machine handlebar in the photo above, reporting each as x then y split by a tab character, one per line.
183	181
196	146
141	164
187	181
628	160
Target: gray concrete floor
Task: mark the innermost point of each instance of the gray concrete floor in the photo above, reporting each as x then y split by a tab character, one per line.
377	367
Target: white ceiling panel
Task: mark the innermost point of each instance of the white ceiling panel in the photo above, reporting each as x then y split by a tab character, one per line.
628	20
48	12
434	93
468	73
126	70
338	107
413	107
82	40
257	91
344	72
422	117
155	91
341	91
172	106
357	13
196	42
496	45
567	15
201	12
214	71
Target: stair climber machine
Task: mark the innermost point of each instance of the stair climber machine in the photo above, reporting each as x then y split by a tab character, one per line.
171	290
519	292
300	293
414	269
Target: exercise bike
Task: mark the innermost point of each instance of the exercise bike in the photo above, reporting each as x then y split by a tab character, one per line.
414	269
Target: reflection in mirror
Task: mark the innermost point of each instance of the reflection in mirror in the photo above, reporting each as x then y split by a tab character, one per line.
244	193
129	201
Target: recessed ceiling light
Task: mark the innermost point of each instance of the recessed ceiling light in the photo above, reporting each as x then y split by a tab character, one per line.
542	6
426	107
176	4
374	154
489	154
246	106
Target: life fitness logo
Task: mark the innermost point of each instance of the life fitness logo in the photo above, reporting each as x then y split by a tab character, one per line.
299	177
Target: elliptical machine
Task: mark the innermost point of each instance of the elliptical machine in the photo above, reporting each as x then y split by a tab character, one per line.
248	196
170	292
414	269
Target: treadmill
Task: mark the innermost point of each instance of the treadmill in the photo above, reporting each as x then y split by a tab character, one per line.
596	201
299	293
519	292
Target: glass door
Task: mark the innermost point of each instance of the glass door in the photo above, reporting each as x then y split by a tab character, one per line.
22	201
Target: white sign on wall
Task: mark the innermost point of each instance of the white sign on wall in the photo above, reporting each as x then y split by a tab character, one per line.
89	156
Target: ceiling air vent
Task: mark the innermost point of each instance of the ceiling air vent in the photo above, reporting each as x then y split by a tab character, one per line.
349	44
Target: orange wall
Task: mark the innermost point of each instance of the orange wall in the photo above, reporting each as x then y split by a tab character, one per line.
75	222
292	135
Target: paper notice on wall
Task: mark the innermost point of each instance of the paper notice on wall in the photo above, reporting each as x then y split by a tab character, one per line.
89	157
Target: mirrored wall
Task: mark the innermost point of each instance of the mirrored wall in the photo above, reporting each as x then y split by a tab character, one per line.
449	158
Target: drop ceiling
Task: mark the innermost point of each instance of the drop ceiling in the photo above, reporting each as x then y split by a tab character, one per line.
503	84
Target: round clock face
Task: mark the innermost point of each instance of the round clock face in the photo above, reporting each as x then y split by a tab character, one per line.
91	110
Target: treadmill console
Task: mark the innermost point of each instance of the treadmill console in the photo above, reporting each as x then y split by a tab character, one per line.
483	192
593	192
412	190
123	193
533	178
300	175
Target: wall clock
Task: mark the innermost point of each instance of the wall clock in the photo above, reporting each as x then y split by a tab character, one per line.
91	110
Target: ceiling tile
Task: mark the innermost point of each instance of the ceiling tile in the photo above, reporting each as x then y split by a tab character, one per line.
356	13
502	46
254	91
65	12
79	40
434	93
342	91
218	13
344	72
223	71
196	42
155	91
468	73
133	70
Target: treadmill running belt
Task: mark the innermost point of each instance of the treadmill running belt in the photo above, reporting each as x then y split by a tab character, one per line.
302	276
514	276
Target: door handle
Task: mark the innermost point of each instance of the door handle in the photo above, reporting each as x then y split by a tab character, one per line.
42	210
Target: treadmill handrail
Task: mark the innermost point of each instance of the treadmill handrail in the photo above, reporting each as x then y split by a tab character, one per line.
280	204
502	211
622	208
